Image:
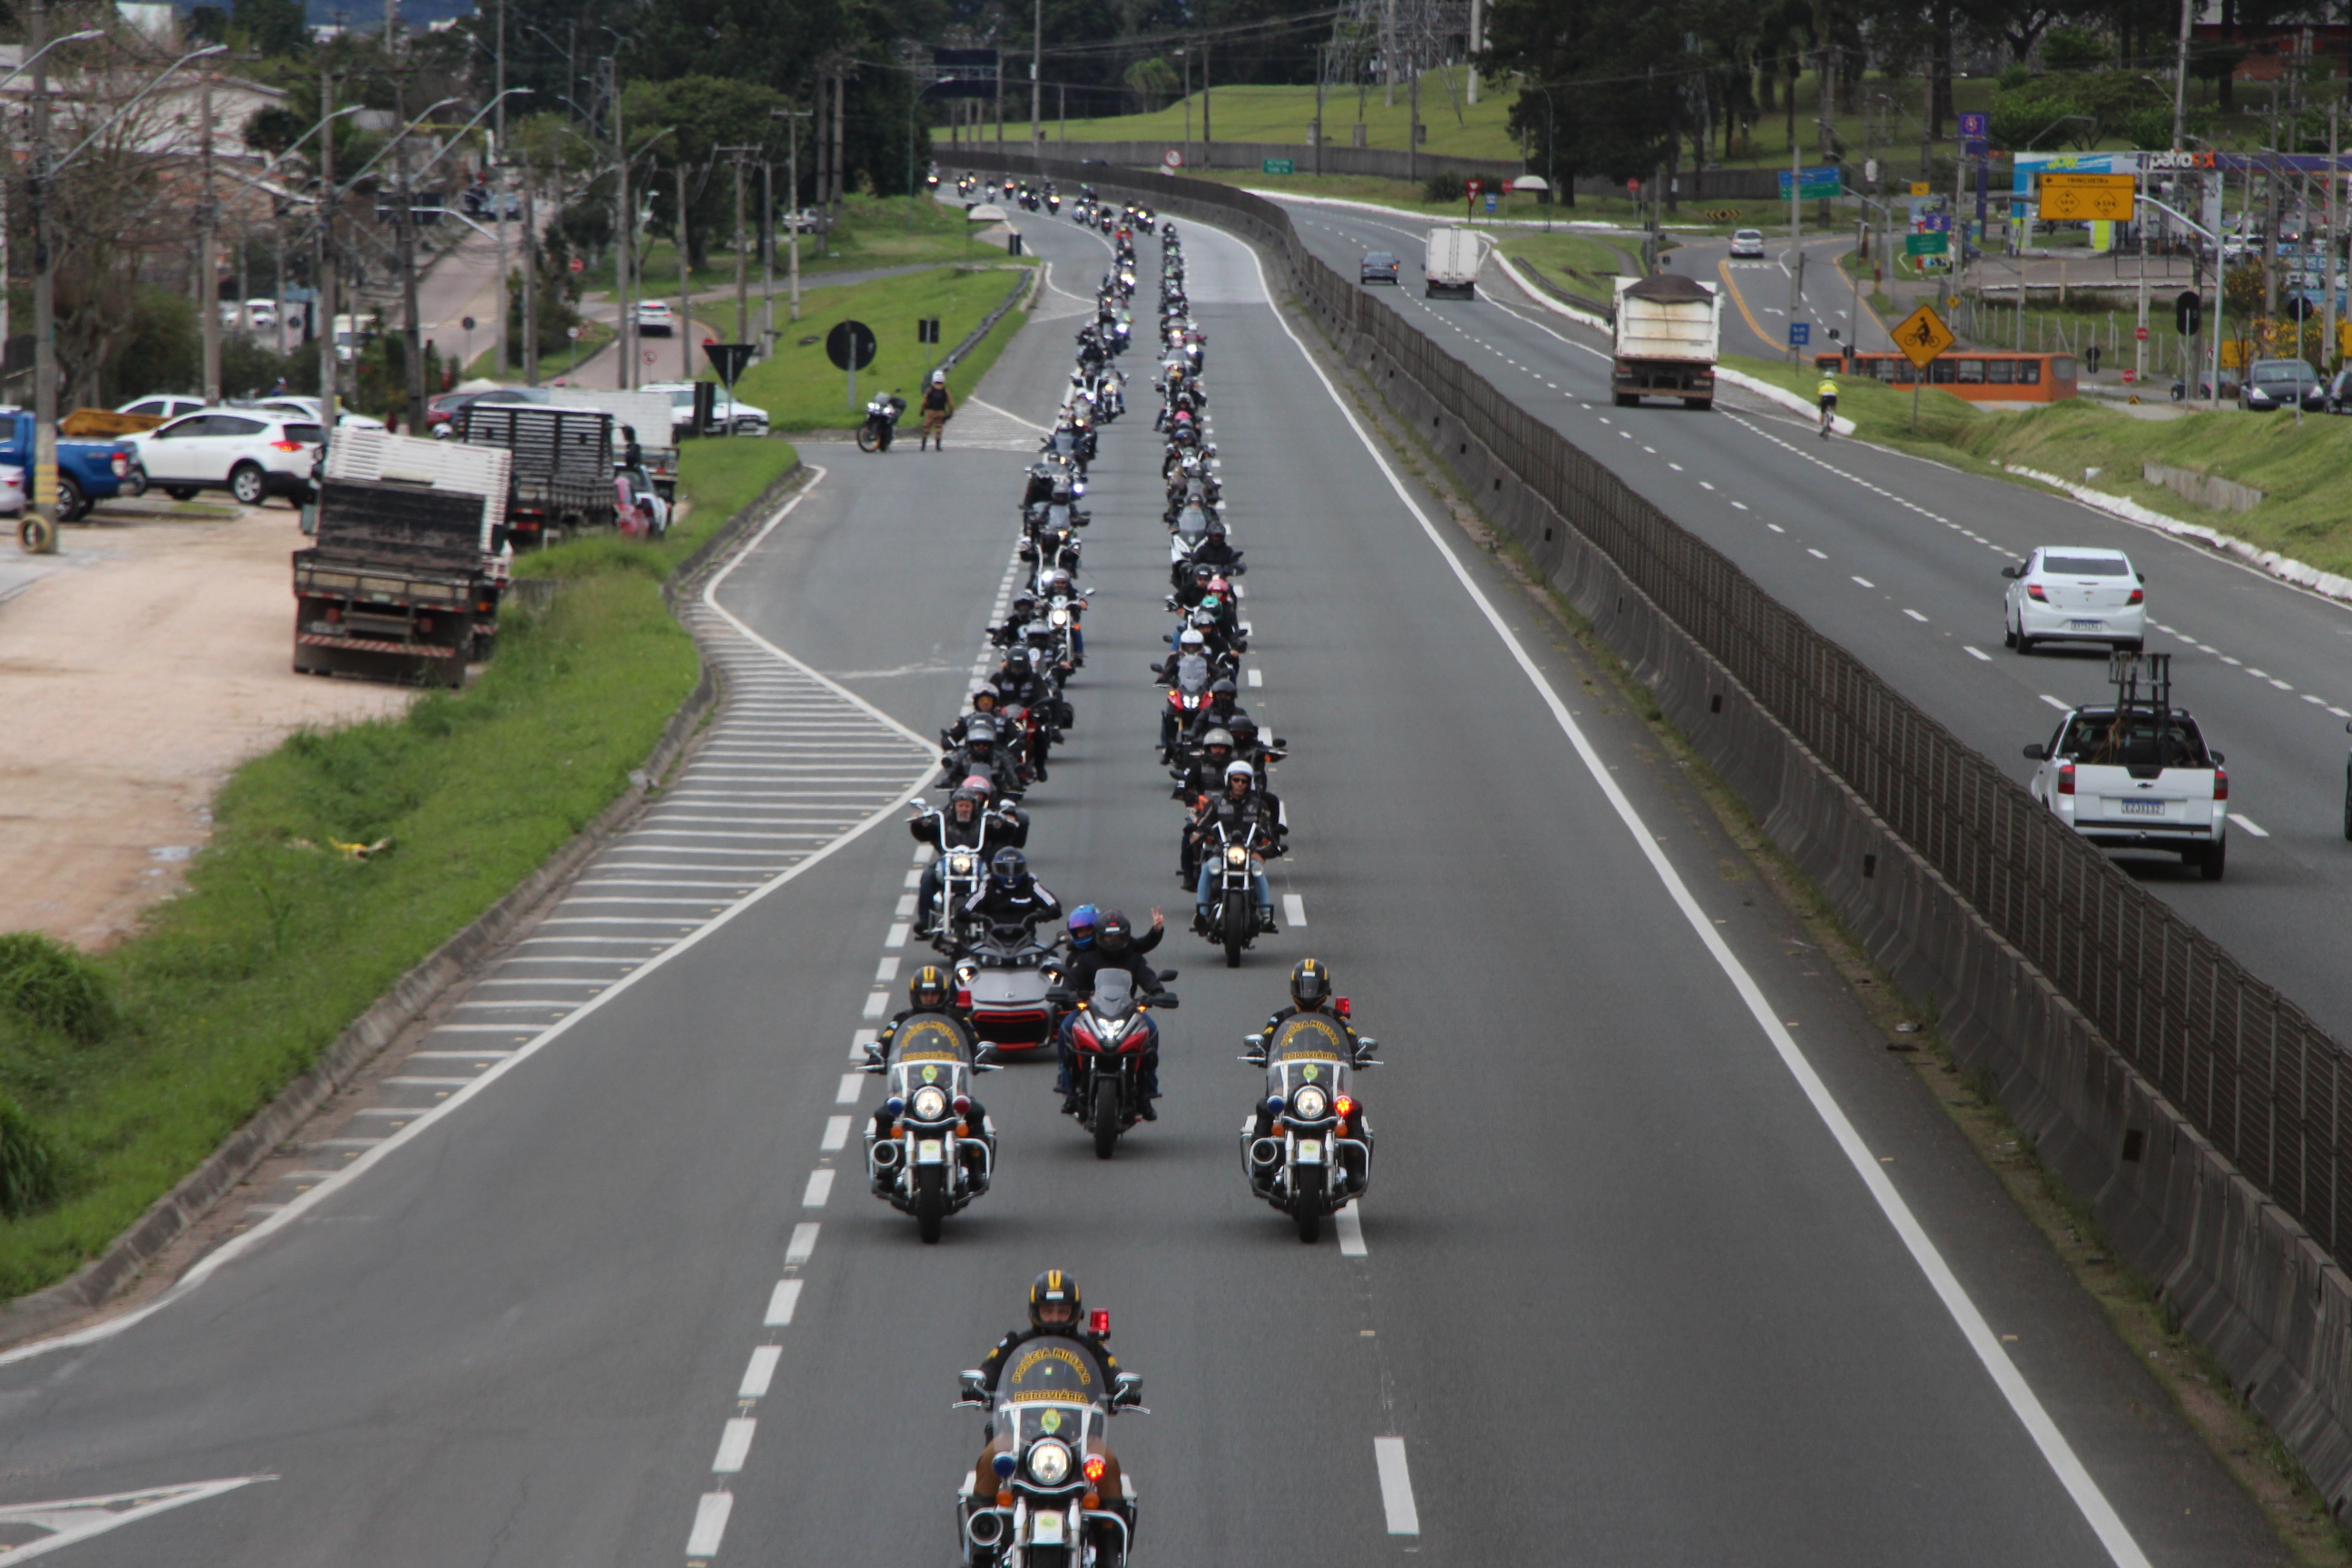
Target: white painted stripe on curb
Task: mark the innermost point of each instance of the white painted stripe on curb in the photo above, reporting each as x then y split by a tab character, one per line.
1396	1486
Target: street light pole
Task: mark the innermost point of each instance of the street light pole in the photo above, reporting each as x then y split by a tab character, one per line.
498	195
207	242
322	263
45	320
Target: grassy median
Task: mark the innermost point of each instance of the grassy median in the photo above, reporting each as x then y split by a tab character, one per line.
121	1074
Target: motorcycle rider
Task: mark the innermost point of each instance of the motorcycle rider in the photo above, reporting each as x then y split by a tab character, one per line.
1114	945
1012	896
1205	772
1024	610
1019	684
1191	643
930	991
1217	551
1246	821
966	824
1311	992
982	752
1053	1313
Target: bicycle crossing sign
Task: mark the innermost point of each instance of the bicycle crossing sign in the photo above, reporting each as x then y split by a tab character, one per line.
1922	336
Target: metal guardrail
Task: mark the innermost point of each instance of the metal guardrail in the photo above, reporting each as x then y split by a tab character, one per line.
2245	1065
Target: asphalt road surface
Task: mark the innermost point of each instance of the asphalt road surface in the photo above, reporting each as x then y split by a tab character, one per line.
1666	1259
1899	559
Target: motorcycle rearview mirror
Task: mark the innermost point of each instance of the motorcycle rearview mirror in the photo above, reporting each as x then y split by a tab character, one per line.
972	1385
1127	1393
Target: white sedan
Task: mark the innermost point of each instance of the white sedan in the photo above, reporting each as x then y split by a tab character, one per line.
1747	244
2074	594
249	454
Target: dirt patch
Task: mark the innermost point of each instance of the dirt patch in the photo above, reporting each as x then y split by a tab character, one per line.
133	679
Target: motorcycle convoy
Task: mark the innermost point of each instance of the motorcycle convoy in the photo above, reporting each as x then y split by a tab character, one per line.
1046	1490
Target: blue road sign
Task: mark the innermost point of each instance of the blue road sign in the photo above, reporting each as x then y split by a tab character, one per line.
1935	223
1975	126
1800	333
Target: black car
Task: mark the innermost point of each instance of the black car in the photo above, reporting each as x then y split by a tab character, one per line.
2340	392
2273	383
1380	267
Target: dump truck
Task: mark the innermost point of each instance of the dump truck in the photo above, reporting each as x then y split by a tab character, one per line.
1450	263
1668	329
412	553
562	479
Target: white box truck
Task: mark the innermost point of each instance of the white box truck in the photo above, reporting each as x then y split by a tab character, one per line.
1668	330
1451	263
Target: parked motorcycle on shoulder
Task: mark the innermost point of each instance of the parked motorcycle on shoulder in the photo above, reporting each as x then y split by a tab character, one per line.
881	422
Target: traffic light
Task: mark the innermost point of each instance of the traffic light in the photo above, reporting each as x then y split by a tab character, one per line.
2187	312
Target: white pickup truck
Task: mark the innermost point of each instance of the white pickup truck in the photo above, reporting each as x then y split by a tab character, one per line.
2125	778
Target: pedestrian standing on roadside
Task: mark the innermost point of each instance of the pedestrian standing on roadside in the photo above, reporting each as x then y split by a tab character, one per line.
939	406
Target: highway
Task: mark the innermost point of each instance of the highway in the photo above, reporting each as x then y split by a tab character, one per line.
1899	559
1666	1259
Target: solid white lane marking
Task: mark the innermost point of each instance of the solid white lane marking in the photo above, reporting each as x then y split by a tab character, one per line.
786	1296
1294	909
1349	1223
70	1519
1976	653
734	1446
819	1188
1396	1486
2056	1452
897	936
761	1373
709	1524
803	1242
1256	676
2239	819
1914	615
852	1084
2062	706
836	1134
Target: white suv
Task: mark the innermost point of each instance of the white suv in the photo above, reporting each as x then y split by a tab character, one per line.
2074	594
656	319
250	454
733	416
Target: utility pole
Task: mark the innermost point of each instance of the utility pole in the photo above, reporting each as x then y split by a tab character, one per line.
768	258
684	286
322	263
2181	82
1476	15
793	118
625	227
45	342
2327	277
742	277
498	195
1036	76
405	219
1388	53
529	282
207	245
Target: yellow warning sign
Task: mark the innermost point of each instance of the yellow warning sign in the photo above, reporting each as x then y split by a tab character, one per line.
2085	198
1921	188
1922	336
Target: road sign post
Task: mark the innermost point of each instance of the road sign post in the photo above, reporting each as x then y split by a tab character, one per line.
850	346
1921	337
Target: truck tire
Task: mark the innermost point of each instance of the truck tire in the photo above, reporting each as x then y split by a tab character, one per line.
248	484
1698	404
72	505
2213	860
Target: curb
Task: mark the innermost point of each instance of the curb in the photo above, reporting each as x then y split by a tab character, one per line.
44	1311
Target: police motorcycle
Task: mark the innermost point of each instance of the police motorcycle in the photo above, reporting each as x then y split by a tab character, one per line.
923	1153
1307	1149
1062	1500
1112	1034
1053	199
882	415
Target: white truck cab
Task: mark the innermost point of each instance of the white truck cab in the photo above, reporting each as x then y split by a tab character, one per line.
2135	774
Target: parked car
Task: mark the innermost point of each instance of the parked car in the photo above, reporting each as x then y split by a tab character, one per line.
251	455
656	319
1381	266
261	315
162	406
2275	383
289	405
90	468
440	410
2074	594
729	416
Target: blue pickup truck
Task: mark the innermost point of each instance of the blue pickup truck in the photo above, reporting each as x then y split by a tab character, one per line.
87	470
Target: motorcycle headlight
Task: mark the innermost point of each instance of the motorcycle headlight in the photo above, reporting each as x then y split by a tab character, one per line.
1060	617
960	865
1049	1462
1236	855
1308	1104
929	1103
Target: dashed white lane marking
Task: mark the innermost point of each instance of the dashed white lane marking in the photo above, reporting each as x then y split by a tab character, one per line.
860	1040
2062	706
1256	676
1976	653
761	1373
2239	819
1294	909
1349	1223
886	972
1916	615
780	1303
798	1250
877	1003
819	1189
897	936
1815	554
852	1086
734	1446
709	1523
1865	582
836	1134
1739	505
1396	1486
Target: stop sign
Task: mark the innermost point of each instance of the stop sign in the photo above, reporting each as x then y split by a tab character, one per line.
2140	332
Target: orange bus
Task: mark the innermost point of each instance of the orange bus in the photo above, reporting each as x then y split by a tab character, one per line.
1981	376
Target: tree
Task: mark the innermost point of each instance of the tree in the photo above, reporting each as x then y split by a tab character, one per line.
706	113
271	27
2073	49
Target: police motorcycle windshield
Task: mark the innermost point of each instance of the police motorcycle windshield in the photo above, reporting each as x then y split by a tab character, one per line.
929	1052
1309	1051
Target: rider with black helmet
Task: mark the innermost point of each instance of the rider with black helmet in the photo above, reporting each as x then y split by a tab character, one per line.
1056	1312
1311	992
1010	896
931	990
1115	946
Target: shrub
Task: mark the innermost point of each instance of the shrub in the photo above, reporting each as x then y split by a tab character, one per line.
1444	187
49	983
28	1164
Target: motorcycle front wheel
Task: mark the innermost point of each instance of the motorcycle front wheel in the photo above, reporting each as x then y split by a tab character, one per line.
1106	1117
866	438
930	1202
1233	929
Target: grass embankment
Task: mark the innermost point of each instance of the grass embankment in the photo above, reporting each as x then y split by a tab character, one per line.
2302	469
873	231
1280	114
801	390
120	1074
1576	262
